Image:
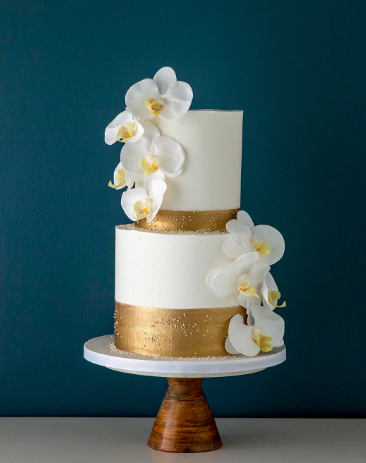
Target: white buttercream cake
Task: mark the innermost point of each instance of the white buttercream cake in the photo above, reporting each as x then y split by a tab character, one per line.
193	272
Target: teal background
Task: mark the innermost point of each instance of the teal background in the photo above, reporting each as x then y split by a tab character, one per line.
298	71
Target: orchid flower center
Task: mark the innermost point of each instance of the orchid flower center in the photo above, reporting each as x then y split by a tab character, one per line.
264	343
261	247
155	105
126	132
150	164
273	297
142	209
243	286
120	180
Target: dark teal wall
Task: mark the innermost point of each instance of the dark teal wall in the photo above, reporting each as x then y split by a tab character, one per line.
298	70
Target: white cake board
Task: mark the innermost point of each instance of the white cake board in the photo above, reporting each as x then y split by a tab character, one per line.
98	351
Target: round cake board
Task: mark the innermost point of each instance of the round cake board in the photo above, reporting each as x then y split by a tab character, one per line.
185	423
101	352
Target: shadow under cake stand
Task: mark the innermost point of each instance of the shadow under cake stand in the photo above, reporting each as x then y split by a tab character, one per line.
184	422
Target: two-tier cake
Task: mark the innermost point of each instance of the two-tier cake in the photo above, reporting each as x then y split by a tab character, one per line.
193	272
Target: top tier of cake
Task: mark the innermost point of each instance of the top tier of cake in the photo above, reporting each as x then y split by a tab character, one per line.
212	141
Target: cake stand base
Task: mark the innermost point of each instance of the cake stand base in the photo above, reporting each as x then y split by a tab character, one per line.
185	423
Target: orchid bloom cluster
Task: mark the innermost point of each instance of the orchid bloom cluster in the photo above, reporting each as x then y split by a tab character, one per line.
148	157
253	250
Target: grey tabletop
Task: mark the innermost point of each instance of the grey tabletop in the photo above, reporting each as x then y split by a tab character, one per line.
117	440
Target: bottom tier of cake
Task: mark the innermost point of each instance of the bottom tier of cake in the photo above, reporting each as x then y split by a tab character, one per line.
164	306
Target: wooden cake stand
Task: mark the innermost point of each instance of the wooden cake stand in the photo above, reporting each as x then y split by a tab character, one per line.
184	422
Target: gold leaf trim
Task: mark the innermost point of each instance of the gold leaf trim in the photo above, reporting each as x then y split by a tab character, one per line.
173	332
189	220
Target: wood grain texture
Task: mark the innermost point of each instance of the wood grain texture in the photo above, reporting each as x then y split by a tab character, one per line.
185	423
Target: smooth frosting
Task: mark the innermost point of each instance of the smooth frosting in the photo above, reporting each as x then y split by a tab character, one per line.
168	270
211	177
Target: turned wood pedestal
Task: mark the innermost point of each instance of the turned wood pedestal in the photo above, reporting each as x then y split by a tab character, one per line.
185	422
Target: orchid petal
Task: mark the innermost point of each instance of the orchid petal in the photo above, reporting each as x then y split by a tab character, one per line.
229	347
135	178
129	180
139	132
270	323
240	336
150	131
176	174
155	187
242	299
274	238
250	319
129	199
211	276
123	118
240	234
170	155
164	78
257	273
245	219
270	282
178	99
133	153
246	302
138	94
154	184
155	209
116	170
269	285
224	282
231	249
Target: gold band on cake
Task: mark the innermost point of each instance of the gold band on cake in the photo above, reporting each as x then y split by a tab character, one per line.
173	332
189	220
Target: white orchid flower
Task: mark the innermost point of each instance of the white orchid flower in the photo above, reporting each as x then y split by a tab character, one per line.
241	277
269	291
124	128
248	285
144	202
163	96
267	332
266	242
121	178
153	153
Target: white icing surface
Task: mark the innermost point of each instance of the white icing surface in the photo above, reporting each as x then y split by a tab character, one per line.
168	271
212	141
